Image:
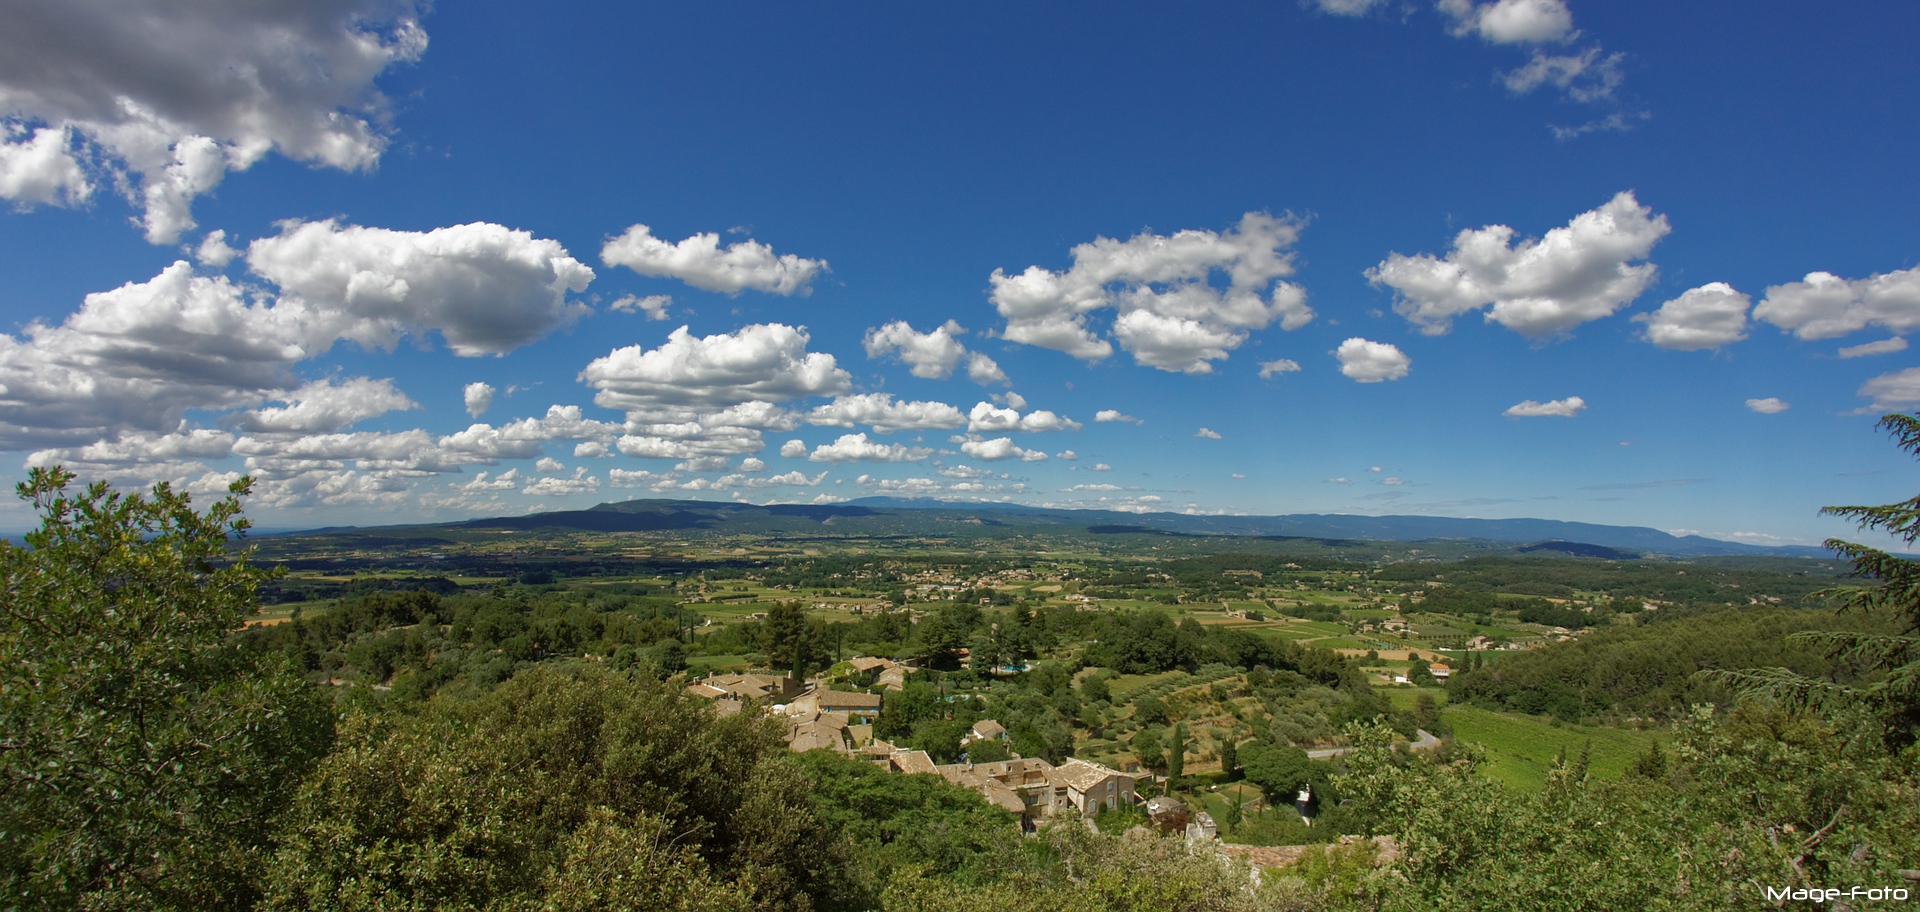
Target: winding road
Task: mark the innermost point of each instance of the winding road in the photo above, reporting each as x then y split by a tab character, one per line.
1426	741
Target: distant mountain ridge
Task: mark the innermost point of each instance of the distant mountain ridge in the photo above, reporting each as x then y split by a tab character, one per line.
887	514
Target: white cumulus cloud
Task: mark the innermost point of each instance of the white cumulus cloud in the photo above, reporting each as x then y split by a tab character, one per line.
998	448
1824	305
1511	21
654	306
1106	415
986	418
1768	406
700	261
857	448
507	481
932	355
1347	7
478	397
1556	408
1706	317
985	371
555	486
177	95
1282	366
1882	347
136	357
485	288
1897	390
326	407
1208	433
38	167
880	412
763	361
1583	271
1166	314
1371	362
214	250
141	456
1589	76
632	478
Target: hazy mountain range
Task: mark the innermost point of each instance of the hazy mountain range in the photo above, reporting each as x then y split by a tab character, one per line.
896	516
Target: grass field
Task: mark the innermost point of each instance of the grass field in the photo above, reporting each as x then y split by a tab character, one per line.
1406	697
1520	750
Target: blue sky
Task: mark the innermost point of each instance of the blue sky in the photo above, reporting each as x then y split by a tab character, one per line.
1510	258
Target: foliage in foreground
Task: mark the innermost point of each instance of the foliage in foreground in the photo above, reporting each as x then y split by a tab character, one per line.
523	799
1764	798
141	760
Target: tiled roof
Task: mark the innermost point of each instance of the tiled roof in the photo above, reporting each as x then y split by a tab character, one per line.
811	737
1082	775
837	699
913	761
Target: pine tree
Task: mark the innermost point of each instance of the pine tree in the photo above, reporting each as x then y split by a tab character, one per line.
787	639
1176	756
1894	693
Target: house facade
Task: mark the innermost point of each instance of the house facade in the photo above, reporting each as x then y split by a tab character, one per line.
1036	789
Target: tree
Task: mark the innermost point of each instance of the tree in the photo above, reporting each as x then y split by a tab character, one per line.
671	655
1176	756
1230	756
1280	770
1149	708
787	639
561	789
1146	747
908	707
1894	692
941	638
1093	688
984	653
987	750
940	738
142	756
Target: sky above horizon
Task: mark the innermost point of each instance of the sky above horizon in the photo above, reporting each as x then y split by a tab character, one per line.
1631	263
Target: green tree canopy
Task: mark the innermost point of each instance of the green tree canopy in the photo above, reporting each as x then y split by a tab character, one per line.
1280	770
559	789
141	757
